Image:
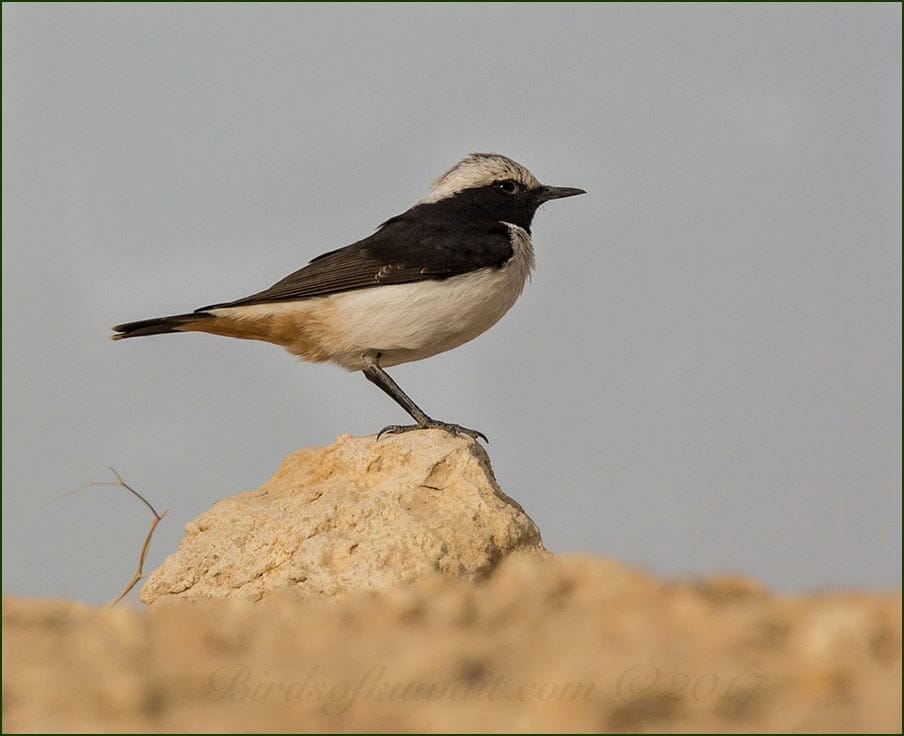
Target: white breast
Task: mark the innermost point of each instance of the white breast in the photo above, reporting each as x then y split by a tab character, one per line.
406	322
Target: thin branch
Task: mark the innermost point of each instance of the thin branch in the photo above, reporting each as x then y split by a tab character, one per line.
135	493
139	572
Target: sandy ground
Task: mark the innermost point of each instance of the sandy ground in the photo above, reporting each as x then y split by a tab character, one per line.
554	644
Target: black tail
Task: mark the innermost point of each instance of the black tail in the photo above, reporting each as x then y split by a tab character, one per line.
158	325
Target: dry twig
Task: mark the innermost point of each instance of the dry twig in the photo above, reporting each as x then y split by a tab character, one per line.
139	572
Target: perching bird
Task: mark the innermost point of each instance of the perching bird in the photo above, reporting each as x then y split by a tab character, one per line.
426	281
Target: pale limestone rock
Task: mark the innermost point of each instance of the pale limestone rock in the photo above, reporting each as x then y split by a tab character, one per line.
358	515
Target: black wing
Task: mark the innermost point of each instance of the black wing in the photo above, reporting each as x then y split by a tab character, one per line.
419	245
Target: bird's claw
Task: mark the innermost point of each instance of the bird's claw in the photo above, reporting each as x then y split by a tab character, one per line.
453	429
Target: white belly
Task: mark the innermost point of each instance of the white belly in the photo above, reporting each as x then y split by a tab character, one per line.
406	322
400	322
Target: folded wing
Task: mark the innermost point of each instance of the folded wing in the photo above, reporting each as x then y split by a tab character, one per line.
418	245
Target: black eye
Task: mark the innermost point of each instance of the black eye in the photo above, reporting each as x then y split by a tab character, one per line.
509	186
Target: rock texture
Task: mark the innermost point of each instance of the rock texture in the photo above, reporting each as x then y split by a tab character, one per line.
561	644
359	514
392	586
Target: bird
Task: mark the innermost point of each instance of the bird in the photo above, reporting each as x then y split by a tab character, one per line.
426	281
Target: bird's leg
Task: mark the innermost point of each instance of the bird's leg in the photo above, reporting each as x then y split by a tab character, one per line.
376	375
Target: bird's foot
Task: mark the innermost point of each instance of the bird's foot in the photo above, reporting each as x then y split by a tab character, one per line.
453	429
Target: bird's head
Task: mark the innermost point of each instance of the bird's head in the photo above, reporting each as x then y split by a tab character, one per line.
496	184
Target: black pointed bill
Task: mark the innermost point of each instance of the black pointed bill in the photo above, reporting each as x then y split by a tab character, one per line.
544	194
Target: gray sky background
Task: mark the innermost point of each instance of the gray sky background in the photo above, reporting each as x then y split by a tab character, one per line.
703	376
